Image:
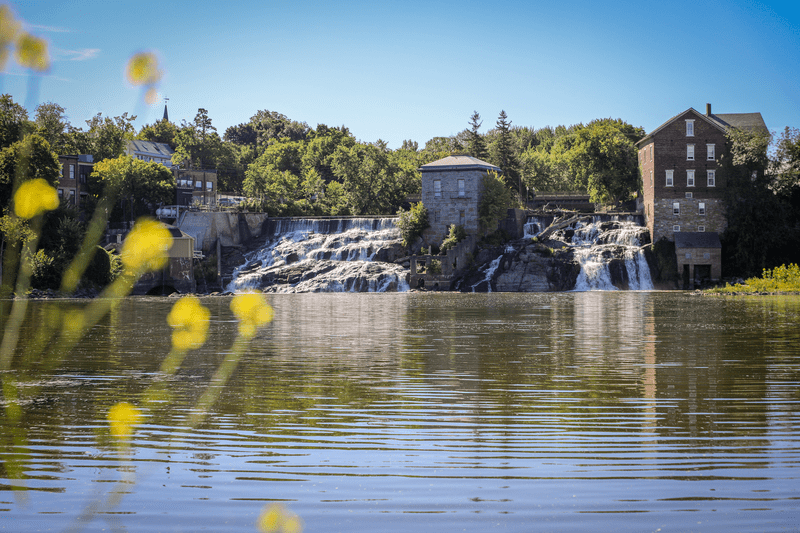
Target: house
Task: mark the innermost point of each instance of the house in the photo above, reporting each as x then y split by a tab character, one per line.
177	275
451	191
150	151
73	177
196	187
683	183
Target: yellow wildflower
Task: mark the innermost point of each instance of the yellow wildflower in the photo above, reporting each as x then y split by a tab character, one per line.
189	321
8	32
34	197
146	246
276	519
123	417
32	52
143	69
252	310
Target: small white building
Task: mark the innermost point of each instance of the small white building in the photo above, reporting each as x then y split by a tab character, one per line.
150	152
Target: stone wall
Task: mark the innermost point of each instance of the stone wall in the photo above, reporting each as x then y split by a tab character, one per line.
449	208
663	221
232	229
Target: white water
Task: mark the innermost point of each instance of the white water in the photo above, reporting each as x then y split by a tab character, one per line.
490	270
331	255
594	250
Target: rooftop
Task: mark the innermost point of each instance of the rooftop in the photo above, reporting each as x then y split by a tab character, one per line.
459	162
701	239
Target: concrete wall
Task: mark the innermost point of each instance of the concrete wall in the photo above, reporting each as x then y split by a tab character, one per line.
232	229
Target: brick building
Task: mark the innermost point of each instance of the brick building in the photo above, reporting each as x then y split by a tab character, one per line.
682	182
451	191
72	181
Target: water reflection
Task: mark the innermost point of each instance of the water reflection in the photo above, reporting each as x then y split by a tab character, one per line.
622	411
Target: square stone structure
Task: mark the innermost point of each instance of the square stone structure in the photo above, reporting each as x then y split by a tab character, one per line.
699	256
452	189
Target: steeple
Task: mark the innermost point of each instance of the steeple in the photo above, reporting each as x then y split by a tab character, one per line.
166	115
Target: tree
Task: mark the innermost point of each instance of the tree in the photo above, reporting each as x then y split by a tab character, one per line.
139	185
412	223
53	126
785	167
197	144
476	145
162	131
495	201
106	136
25	160
601	159
14	124
502	151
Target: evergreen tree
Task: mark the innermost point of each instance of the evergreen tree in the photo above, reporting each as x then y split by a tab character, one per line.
476	144
503	151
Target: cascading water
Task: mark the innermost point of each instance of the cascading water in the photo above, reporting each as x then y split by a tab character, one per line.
325	255
610	254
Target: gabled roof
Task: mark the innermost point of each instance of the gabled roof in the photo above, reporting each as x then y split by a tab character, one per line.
459	162
150	148
722	121
700	239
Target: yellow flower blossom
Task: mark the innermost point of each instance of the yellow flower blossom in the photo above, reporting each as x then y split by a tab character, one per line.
146	246
143	69
123	417
276	519
34	197
252	310
189	321
8	32
32	52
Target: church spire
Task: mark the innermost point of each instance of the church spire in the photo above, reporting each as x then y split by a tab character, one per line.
166	115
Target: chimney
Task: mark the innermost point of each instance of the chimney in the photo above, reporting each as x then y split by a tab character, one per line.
708	110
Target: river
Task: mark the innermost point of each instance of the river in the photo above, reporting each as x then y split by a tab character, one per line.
594	411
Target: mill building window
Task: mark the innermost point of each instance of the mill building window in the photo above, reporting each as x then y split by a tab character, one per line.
669	178
690	152
437	188
702	208
710	152
711	177
462	191
690	178
690	128
676	208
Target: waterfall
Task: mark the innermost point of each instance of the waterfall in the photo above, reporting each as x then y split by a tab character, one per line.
325	255
603	248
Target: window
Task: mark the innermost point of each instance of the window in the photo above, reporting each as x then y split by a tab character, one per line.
651	152
676	228
198	185
61	193
462	191
690	152
710	152
701	229
702	208
437	188
209	186
690	178
690	128
72	172
676	208
669	178
712	178
689	195
72	197
651	178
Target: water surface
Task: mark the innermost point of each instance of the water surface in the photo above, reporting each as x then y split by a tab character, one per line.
596	411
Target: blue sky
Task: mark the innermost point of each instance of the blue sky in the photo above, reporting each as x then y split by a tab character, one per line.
416	70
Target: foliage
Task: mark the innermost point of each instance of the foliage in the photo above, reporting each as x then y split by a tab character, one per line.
412	223
502	153
45	274
475	144
141	185
24	160
162	131
52	125
456	235
785	167
106	137
665	260
495	201
602	160
103	268
197	144
14	124
781	279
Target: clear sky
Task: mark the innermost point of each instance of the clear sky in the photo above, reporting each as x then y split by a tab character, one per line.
418	69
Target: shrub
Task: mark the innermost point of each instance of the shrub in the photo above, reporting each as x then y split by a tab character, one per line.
785	278
457	234
412	223
100	271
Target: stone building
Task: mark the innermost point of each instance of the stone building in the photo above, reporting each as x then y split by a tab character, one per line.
699	256
451	191
682	181
150	151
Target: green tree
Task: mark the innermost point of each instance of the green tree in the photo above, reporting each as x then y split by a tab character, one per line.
14	124
197	144
53	126
412	223
476	145
496	199
162	131
140	186
502	152
602	160
24	160
106	137
785	167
